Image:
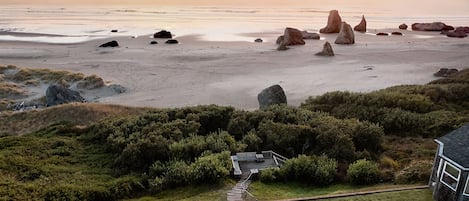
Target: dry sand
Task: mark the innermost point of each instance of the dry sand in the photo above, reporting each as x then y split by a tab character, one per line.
233	73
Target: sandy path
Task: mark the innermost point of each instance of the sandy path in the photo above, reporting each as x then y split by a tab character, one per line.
233	73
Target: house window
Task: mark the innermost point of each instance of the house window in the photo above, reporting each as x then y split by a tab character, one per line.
450	176
466	190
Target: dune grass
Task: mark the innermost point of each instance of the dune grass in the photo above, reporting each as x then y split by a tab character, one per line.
77	113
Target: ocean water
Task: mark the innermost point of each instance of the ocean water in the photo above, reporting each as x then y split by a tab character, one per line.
215	23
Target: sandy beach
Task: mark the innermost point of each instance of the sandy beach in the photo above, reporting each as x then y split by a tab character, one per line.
198	72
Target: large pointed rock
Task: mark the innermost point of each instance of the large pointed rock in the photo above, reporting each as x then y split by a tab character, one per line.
58	94
346	35
292	36
326	50
362	26
272	95
333	23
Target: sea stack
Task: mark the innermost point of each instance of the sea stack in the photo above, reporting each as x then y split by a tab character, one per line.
346	35
333	23
362	26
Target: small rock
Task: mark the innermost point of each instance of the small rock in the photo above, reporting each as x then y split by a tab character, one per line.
457	34
279	40
396	33
282	47
307	35
153	42
326	50
258	40
333	23
403	26
114	31
172	41
435	26
346	35
163	34
362	26
463	29
110	44
272	95
382	34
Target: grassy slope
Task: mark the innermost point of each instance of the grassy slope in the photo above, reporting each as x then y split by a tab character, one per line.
276	191
77	113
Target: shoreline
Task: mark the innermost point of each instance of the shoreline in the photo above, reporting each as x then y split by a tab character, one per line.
232	73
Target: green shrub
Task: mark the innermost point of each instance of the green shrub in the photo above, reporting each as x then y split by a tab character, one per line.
416	172
269	175
363	172
309	169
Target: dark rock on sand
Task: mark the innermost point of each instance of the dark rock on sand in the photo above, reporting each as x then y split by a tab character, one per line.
163	34
292	36
326	50
445	72
57	94
279	40
153	42
272	95
114	31
382	34
462	29
434	26
172	41
258	40
307	35
403	26
346	35
333	23
396	33
110	44
456	34
282	47
362	26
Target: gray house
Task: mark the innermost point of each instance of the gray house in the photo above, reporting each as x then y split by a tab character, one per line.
450	175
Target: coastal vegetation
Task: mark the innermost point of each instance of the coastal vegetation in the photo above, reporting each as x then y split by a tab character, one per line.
104	152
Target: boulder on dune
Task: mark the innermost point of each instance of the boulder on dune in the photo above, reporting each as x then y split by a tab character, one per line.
434	26
445	72
333	23
272	95
382	34
154	42
346	35
110	44
362	26
326	50
403	26
292	36
163	34
58	94
307	35
396	33
258	40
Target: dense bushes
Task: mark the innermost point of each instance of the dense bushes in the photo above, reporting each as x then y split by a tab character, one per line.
416	172
363	172
317	170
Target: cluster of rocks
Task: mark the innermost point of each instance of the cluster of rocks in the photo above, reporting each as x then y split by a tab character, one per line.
163	34
450	31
